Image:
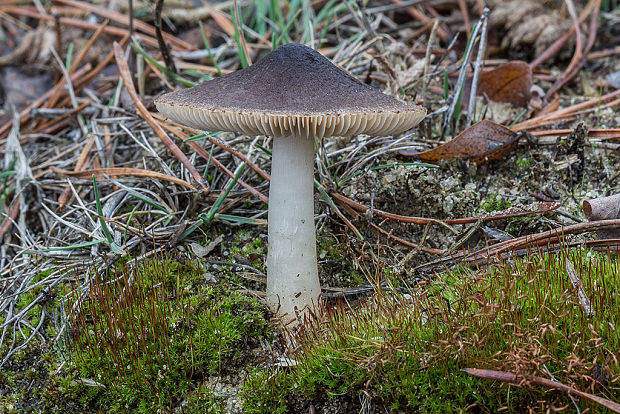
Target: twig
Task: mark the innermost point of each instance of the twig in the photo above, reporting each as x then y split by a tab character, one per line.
204	154
465	13
418	248
407	243
534	380
531	239
578	286
427	58
76	62
510	213
579	59
562	113
460	83
213	141
418	15
568	393
163	47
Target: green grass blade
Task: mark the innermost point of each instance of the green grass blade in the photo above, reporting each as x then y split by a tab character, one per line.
242	56
164	69
5	174
207	218
104	226
240	219
69	57
265	150
202	136
208	47
275	14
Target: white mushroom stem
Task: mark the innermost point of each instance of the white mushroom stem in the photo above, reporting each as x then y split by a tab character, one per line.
292	274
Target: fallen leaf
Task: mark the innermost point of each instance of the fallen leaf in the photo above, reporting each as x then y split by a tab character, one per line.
603	208
482	142
510	82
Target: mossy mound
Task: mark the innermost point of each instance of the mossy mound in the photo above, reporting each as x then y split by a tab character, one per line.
405	352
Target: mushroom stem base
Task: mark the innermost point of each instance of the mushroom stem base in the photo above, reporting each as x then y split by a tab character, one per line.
292	275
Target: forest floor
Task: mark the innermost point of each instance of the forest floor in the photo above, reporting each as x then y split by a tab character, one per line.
467	264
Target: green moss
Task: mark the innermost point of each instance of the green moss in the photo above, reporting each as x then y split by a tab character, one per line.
495	203
406	352
155	333
266	392
524	162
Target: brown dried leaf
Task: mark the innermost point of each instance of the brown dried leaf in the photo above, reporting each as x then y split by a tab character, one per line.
603	208
482	142
510	82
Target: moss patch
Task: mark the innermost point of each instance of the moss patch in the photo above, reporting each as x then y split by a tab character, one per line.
406	351
150	337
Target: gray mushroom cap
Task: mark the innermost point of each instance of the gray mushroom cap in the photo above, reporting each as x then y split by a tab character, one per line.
293	91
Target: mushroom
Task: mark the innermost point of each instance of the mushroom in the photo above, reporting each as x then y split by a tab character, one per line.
296	96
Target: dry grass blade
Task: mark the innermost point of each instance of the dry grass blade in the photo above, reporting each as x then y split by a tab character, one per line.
378	217
213	141
590	104
79	24
117	171
205	154
54	124
77	61
121	18
577	61
79	166
124	71
418	15
222	20
9	218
